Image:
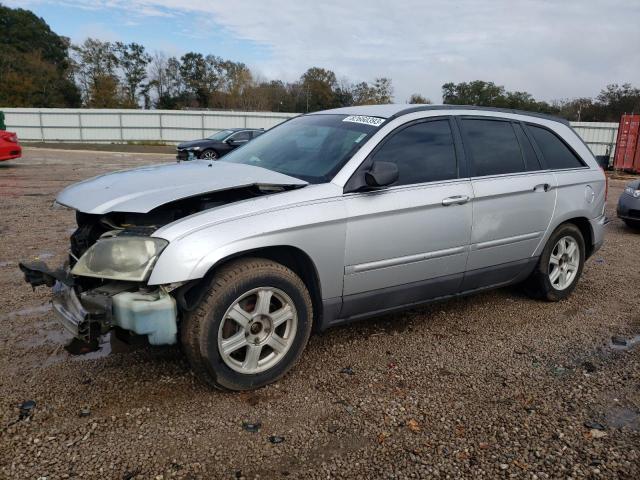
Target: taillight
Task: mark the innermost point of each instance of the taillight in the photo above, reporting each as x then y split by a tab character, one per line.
606	184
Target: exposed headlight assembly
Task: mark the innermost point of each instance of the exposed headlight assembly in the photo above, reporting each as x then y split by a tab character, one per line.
633	192
120	258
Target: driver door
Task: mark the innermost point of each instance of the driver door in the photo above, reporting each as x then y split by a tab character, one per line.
409	243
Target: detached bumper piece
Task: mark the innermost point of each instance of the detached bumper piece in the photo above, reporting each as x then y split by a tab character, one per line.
89	314
71	314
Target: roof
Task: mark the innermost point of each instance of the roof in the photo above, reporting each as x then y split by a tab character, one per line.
393	110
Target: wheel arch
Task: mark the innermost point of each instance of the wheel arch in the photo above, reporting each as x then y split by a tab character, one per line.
586	230
291	257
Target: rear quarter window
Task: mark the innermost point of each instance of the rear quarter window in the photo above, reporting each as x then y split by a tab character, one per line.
556	153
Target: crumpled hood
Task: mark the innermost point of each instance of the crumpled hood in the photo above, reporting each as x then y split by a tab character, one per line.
142	189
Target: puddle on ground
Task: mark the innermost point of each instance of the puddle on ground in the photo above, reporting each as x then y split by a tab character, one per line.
625	344
26	311
55	341
620	417
6	264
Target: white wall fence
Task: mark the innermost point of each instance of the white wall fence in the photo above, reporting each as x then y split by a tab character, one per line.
122	126
173	126
600	136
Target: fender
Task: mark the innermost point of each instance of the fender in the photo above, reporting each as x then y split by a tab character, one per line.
316	227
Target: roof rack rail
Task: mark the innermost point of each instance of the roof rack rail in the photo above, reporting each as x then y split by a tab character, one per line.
475	107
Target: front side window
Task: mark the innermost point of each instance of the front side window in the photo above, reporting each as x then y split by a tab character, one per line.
423	152
310	147
556	154
493	146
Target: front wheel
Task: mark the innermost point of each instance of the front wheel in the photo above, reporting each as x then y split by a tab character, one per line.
560	265
209	155
252	326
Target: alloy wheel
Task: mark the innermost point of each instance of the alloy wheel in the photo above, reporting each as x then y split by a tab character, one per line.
257	330
564	263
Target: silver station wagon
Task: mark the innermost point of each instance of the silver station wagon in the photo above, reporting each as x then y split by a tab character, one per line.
327	218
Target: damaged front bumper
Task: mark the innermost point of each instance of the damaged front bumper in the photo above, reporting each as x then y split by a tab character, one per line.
70	312
91	313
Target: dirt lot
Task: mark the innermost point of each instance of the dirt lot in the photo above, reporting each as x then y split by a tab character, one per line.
495	385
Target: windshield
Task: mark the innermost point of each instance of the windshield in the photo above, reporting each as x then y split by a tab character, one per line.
221	135
311	147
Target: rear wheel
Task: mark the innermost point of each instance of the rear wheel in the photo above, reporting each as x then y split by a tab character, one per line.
252	326
560	265
209	154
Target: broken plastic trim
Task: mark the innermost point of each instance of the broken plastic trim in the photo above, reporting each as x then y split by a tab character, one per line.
38	273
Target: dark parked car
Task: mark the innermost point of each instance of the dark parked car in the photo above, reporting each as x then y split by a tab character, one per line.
629	205
217	145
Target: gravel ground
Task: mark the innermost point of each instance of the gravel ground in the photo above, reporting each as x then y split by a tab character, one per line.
494	385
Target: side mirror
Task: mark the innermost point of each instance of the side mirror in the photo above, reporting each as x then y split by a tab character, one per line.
381	174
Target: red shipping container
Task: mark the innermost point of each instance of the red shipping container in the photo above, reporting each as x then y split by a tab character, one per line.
628	144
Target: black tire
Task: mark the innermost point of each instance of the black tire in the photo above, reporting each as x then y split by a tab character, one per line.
199	329
633	224
209	154
539	284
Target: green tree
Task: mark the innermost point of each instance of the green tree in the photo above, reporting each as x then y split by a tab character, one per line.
616	100
477	92
133	62
416	98
488	94
383	90
95	64
34	63
193	71
318	85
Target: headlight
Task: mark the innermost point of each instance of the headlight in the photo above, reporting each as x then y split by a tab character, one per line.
633	192
194	148
120	258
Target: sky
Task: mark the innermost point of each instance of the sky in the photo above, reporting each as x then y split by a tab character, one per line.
553	49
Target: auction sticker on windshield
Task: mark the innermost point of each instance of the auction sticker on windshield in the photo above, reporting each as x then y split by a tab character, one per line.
375	121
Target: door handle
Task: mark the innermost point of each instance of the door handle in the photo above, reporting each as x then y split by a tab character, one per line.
544	186
455	200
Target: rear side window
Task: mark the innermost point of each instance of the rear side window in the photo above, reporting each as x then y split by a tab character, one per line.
556	154
423	152
493	146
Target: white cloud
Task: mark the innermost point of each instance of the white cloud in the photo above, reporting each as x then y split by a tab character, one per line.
553	49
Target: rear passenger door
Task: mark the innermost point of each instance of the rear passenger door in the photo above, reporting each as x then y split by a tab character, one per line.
514	199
